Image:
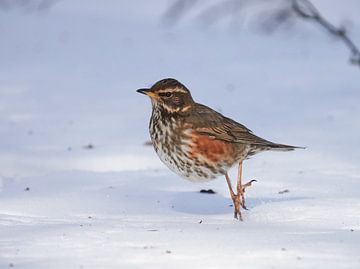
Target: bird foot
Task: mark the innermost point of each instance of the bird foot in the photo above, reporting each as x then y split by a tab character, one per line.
248	184
242	192
239	199
237	203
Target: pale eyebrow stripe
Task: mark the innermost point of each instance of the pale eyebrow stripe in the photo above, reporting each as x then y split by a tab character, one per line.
172	90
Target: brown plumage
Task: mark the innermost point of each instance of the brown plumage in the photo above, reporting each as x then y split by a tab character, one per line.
199	143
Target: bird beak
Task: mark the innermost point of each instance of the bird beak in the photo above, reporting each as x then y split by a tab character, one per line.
146	92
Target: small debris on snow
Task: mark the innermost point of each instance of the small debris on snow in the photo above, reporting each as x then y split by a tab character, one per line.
200	221
209	191
89	146
168	252
283	249
27	189
11	265
284	191
152	230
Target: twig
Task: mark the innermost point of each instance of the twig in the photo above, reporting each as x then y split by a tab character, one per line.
306	10
289	9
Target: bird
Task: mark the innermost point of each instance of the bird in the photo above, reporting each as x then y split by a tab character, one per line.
198	143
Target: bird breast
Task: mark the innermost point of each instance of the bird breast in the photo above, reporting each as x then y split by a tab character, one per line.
194	156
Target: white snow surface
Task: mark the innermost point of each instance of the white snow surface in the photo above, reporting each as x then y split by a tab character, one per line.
68	79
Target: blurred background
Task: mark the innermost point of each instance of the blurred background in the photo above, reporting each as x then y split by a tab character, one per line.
69	71
81	188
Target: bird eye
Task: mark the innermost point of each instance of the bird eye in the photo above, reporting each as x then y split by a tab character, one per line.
165	94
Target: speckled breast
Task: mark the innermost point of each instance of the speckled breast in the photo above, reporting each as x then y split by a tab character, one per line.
194	156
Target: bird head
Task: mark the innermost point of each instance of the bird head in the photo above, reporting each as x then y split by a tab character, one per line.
170	95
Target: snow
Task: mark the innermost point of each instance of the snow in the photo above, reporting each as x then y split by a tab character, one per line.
68	79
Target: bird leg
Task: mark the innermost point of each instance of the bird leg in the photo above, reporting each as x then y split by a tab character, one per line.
239	197
236	199
241	187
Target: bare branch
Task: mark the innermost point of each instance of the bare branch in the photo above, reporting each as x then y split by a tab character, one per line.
276	13
177	10
27	5
306	10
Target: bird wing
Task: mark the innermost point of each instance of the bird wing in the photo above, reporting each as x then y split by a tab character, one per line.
209	122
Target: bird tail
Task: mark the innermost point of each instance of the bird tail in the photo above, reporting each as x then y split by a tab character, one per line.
282	147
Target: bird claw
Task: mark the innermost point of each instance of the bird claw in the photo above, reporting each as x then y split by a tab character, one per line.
248	184
239	197
243	187
237	215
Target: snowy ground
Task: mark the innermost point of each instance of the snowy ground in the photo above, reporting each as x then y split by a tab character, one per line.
68	77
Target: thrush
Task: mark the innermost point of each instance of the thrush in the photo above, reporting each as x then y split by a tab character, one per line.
199	143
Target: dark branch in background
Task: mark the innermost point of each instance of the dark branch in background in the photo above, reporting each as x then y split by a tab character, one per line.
306	10
177	10
27	5
277	13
